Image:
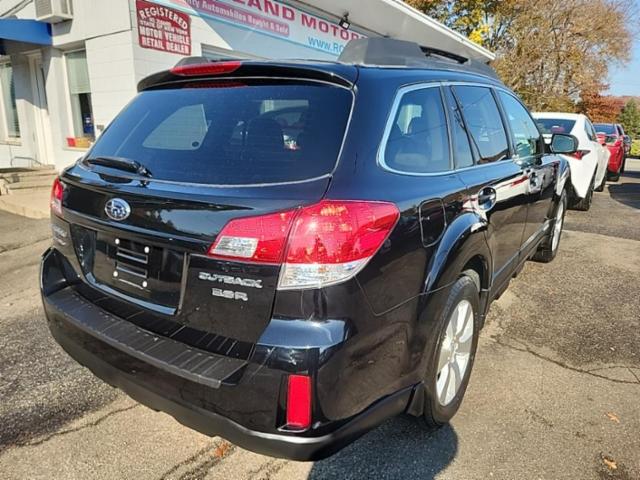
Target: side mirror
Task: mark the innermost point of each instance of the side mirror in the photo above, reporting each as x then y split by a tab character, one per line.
564	143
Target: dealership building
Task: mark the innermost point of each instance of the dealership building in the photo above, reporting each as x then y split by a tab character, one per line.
68	66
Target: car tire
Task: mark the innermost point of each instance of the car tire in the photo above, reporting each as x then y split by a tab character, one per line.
584	204
550	243
624	164
445	383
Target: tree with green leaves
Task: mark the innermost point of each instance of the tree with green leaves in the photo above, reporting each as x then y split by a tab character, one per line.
481	21
630	119
551	53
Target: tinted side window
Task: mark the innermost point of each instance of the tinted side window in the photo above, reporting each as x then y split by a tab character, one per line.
605	128
591	133
526	136
462	154
483	121
418	141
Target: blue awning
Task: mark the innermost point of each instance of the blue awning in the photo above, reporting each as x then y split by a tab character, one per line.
28	31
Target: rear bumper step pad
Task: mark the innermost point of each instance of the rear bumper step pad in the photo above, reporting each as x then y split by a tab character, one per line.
169	355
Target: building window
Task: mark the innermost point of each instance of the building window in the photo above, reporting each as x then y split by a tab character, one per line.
12	125
80	91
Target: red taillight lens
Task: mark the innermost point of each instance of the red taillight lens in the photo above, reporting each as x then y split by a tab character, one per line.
56	197
333	240
325	243
257	239
299	402
213	68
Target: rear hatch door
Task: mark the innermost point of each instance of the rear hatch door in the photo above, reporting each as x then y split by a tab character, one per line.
209	152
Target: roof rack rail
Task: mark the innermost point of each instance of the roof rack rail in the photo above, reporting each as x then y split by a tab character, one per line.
390	52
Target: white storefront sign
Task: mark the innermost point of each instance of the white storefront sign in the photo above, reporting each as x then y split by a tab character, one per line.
272	18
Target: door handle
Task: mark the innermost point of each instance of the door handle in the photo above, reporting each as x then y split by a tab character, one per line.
487	198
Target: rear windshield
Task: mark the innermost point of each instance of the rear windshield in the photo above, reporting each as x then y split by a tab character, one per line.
232	135
607	128
555	125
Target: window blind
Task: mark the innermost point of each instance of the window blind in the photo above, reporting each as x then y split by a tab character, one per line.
78	72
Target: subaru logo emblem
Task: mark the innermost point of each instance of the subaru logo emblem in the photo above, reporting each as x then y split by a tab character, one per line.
117	209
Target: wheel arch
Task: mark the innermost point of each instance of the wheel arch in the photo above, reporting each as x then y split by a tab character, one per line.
462	247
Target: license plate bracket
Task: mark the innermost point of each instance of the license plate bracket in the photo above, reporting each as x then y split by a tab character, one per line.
139	269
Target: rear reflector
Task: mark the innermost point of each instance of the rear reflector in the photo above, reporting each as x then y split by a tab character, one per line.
299	402
213	68
56	197
318	245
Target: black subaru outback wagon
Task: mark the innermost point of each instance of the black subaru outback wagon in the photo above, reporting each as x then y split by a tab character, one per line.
287	253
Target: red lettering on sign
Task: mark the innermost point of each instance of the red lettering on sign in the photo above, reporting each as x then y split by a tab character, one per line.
162	28
308	21
288	13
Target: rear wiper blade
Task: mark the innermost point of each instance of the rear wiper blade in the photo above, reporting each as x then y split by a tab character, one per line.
120	163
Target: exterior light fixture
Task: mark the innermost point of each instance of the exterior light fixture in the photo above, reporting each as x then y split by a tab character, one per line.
344	21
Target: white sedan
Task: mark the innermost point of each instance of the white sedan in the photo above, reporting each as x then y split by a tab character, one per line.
589	164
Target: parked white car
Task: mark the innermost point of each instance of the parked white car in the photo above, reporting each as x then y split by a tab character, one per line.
589	165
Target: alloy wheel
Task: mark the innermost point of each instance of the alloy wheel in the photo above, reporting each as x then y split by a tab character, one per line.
455	352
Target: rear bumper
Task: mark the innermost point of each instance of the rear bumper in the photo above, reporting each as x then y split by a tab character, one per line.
615	159
233	400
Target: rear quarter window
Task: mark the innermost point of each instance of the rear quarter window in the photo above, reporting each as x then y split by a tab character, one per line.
606	128
232	135
549	126
418	140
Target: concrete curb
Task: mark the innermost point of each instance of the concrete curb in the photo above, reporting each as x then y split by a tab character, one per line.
24	205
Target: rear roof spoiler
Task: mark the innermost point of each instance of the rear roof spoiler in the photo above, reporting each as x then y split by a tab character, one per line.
330	72
390	52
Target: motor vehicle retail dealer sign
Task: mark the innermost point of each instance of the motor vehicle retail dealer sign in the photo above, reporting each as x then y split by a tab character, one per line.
162	28
273	18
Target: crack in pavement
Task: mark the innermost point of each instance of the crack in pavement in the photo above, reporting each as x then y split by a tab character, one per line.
76	429
220	450
526	349
267	469
186	461
634	374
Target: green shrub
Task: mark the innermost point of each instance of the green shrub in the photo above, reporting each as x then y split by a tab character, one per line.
635	149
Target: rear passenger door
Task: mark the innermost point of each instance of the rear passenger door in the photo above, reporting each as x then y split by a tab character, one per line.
540	168
496	184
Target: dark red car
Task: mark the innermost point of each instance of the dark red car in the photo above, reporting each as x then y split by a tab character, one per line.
612	135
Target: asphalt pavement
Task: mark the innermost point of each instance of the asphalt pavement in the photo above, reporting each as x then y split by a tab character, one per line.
555	391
